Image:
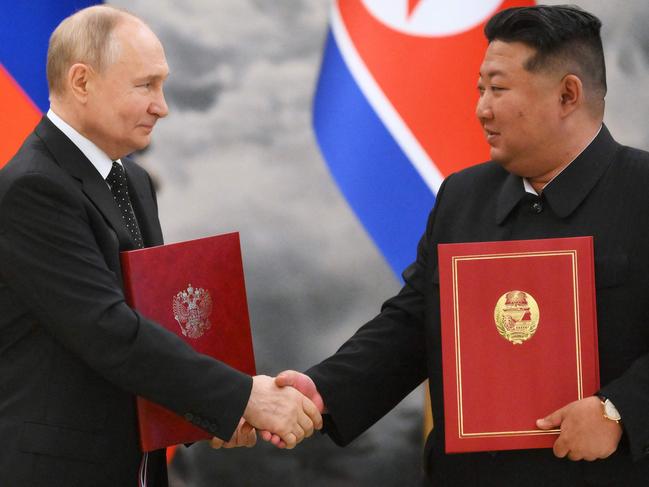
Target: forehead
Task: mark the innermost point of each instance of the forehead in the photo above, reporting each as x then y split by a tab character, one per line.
505	58
139	48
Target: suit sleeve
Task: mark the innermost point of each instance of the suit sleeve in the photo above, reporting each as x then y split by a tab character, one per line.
384	360
630	394
51	260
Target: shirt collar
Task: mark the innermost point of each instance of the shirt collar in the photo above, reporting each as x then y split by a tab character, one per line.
94	154
527	186
571	186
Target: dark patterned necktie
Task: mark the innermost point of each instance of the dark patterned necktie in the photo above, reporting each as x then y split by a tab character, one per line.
117	181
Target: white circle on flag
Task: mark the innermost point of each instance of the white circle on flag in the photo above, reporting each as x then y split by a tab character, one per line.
432	18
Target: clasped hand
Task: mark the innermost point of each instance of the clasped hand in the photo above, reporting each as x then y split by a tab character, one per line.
280	412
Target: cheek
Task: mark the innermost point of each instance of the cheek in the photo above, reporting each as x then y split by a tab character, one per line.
126	107
509	110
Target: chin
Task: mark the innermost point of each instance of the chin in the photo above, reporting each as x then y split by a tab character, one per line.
140	144
496	155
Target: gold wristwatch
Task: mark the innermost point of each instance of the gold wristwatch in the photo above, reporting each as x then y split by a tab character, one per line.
609	411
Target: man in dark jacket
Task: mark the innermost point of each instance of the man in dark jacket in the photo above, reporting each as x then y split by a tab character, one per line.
73	355
555	172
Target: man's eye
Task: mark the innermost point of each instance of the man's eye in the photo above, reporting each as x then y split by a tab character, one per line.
497	88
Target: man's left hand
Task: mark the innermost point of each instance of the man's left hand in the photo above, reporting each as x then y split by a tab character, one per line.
244	435
585	433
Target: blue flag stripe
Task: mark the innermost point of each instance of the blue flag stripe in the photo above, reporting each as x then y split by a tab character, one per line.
377	179
25	28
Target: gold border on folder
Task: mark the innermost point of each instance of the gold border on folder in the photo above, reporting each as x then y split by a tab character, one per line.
458	355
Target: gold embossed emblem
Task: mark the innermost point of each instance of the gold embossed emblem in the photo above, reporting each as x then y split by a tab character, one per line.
517	316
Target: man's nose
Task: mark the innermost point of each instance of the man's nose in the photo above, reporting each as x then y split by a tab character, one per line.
483	108
159	106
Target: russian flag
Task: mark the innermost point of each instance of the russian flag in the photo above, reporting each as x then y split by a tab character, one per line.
25	28
394	109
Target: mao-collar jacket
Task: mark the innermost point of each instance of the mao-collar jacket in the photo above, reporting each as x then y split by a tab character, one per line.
604	193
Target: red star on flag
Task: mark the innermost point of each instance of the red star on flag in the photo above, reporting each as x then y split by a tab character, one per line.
412	5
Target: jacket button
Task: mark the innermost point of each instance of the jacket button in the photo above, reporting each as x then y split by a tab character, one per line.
537	207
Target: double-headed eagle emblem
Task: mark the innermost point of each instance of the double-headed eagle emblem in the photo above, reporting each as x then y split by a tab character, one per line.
516	316
192	308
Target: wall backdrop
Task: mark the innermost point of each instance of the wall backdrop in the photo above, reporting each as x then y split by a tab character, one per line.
237	153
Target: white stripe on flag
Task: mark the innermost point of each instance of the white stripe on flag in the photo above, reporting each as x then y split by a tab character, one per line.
382	106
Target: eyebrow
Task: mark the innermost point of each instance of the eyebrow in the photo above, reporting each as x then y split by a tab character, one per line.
492	73
153	77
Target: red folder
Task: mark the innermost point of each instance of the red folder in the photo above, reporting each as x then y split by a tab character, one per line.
196	290
519	338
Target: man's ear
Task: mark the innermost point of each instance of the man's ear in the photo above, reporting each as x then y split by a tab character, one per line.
78	80
571	93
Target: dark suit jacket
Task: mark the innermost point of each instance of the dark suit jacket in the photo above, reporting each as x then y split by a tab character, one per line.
603	193
72	353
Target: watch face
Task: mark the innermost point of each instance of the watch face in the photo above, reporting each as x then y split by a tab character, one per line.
611	411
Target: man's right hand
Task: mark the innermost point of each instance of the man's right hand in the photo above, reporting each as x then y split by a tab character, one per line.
283	411
304	384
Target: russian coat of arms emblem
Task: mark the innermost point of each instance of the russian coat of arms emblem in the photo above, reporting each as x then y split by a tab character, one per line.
517	316
192	308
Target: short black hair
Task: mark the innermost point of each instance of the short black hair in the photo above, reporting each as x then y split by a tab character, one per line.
560	34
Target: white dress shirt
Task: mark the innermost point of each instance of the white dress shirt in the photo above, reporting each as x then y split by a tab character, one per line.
95	155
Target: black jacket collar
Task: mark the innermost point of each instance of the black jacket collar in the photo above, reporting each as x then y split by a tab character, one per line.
565	192
70	158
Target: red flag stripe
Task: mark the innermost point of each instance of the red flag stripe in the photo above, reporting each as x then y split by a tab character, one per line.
18	116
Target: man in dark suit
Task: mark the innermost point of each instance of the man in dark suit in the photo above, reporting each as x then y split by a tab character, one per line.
73	355
555	172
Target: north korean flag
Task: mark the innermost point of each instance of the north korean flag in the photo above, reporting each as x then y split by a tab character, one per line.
394	109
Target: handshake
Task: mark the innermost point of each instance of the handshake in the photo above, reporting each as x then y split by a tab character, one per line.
285	409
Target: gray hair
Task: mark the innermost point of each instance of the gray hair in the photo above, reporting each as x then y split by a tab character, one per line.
84	37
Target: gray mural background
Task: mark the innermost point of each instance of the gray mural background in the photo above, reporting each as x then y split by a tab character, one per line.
237	153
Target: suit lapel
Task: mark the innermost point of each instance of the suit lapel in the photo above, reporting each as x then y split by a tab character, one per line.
71	159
